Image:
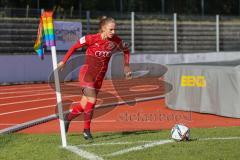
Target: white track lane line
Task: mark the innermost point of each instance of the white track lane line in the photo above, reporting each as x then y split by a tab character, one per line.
16	89
36	100
5	88
95	121
30	95
53	93
20	92
98	121
24	110
51	89
44	99
36	86
119	103
43	90
8	124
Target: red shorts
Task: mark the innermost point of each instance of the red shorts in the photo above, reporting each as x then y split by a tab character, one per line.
91	78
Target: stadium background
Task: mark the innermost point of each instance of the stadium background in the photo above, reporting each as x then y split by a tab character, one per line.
196	7
200	38
154	35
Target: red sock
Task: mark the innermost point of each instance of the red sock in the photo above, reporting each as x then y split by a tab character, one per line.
88	113
76	110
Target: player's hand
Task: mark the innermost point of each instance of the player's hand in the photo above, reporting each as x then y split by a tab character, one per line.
127	72
60	66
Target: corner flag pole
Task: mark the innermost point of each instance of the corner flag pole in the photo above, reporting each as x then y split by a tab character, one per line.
59	98
48	28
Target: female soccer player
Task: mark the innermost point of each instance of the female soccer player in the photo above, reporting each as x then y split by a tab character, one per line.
100	47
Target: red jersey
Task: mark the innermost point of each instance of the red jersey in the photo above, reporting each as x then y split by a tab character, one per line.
101	49
98	54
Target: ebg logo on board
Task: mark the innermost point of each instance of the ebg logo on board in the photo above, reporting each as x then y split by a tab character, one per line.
193	81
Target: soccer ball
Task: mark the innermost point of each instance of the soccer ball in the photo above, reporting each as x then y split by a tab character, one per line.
180	132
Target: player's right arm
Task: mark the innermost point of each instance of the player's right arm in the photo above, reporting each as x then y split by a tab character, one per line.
79	44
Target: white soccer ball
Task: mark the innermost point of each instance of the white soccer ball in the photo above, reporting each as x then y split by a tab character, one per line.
180	132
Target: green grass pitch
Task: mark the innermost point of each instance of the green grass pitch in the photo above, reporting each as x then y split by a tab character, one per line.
203	145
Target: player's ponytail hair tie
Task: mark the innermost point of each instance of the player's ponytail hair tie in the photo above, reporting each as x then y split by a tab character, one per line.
103	20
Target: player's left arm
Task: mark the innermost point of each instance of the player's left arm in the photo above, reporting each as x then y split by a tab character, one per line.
127	69
126	52
122	46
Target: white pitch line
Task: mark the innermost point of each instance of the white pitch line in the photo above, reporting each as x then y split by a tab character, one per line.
113	143
156	143
141	147
83	153
135	142
219	138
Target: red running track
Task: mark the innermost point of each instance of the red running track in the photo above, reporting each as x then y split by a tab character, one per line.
22	103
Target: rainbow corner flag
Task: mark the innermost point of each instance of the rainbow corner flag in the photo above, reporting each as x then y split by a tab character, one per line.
45	33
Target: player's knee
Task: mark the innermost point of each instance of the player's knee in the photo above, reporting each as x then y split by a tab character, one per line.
90	94
92	99
83	102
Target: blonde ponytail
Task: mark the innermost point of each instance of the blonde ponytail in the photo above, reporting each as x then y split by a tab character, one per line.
103	20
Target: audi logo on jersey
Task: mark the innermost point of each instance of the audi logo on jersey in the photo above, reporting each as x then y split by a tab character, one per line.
103	54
